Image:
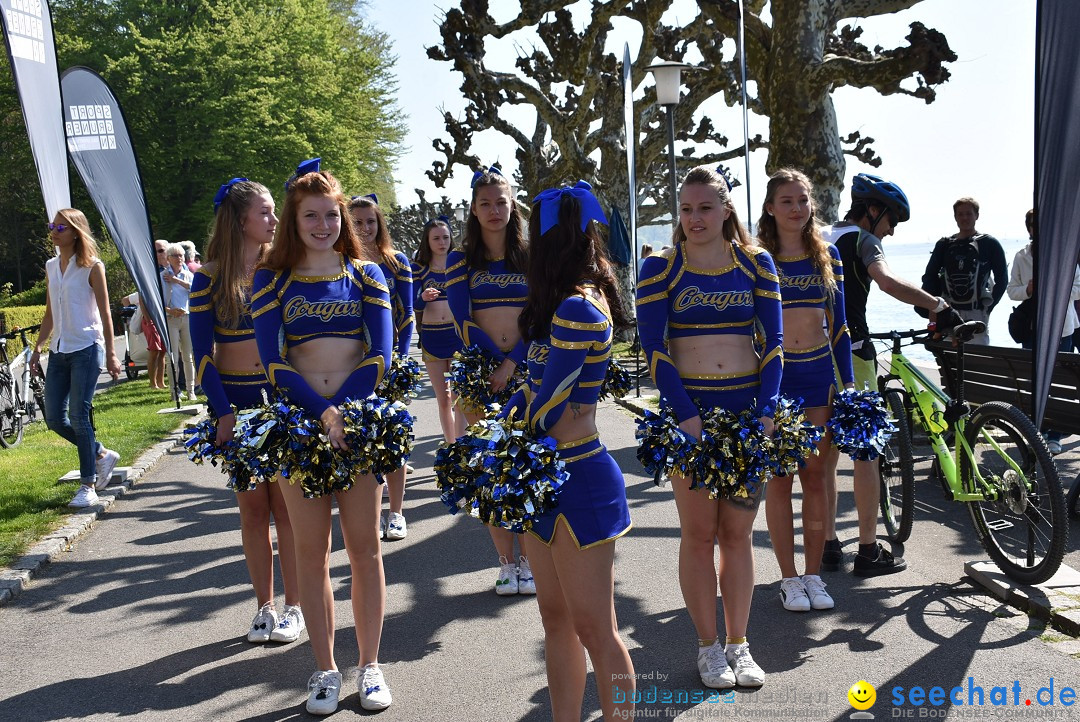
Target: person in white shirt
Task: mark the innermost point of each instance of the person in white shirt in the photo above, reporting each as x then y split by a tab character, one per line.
176	287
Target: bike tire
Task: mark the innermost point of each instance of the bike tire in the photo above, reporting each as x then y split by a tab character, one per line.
11	418
1071	499
1024	531
897	469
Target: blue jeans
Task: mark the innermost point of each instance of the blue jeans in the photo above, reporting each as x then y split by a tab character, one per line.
69	390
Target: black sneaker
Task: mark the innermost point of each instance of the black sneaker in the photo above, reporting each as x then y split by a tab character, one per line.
833	556
885	563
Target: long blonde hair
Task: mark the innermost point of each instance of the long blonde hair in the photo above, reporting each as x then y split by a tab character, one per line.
733	229
86	249
814	243
232	285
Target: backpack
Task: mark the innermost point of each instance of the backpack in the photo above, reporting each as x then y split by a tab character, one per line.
960	273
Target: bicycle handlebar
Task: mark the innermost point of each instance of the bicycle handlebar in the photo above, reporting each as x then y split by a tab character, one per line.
962	332
21	331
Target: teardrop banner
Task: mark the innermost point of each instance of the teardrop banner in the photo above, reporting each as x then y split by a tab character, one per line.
100	147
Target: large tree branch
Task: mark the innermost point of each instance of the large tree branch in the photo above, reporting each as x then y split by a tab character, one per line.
842	9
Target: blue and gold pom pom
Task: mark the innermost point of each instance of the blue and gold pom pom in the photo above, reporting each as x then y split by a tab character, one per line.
403	381
501	473
794	438
617	381
860	424
202	447
663	448
468	378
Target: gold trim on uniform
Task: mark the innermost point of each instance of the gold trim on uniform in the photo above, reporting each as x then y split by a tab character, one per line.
766	294
272	305
579	326
222	331
378	302
196	309
729	324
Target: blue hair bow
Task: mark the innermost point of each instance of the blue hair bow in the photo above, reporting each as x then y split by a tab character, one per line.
444	219
551	199
223	191
374	198
308	166
476	176
726	175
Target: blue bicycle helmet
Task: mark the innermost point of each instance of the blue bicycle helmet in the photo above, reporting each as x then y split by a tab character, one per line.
866	187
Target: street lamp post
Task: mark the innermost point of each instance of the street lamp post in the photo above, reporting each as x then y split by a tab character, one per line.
667	75
459	216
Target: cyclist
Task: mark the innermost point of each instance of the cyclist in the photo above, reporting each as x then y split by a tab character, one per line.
877	206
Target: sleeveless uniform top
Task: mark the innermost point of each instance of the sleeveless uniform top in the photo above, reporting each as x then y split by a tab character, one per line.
471	289
76	319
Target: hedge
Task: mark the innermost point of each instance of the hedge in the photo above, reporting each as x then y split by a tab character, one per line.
19	316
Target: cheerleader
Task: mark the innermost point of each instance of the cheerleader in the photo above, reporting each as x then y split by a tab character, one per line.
815	336
324	330
438	339
486	290
572	307
232	377
367	218
708	295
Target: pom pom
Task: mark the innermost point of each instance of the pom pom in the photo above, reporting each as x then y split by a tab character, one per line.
501	473
663	448
617	381
468	378
379	433
860	424
794	438
202	446
402	382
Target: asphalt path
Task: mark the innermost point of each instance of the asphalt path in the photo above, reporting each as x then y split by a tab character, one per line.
145	618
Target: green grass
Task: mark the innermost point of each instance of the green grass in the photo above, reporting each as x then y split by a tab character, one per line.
621	350
32	503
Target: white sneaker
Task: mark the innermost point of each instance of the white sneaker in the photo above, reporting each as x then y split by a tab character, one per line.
747	672
263	625
507	583
395	526
526	583
815	590
84	497
324	688
374	694
382	525
409	469
289	626
713	667
104	467
793	595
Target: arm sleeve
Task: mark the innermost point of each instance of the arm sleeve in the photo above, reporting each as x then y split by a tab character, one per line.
457	294
1001	271
418	288
652	313
839	336
269	335
1017	289
201	309
404	288
576	327
379	323
514	409
769	311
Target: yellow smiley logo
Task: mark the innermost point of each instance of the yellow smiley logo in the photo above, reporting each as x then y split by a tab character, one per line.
862	695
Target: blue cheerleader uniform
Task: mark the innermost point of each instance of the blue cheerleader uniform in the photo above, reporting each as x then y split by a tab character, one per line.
569	368
676	300
438	341
809	373
399	284
473	289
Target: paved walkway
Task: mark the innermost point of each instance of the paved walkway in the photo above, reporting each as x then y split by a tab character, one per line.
145	618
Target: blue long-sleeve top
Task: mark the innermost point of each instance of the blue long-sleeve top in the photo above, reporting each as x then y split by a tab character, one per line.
802	286
675	300
471	289
569	366
399	283
289	310
425	277
206	330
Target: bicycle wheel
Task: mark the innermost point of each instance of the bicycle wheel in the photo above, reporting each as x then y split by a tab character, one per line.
897	467
1024	530
11	418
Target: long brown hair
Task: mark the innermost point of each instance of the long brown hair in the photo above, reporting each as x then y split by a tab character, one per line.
225	250
288	249
814	244
384	245
517	252
86	249
423	253
560	261
733	229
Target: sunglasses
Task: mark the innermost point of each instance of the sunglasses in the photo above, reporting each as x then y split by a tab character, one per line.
160	250
58	227
176	255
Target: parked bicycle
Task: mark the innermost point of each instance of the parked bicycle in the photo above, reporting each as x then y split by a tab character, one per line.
20	398
998	465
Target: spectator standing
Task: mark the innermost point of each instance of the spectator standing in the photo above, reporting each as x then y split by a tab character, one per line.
176	286
968	269
191	256
646	251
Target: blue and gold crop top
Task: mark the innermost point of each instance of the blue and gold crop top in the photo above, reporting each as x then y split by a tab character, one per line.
471	289
399	283
206	330
290	310
425	277
675	300
802	286
570	365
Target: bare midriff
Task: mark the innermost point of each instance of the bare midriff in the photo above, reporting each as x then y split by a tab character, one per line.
500	324
713	354
803	328
325	363
436	312
577	422
238	357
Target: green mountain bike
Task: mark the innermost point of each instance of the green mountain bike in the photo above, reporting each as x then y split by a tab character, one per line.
998	465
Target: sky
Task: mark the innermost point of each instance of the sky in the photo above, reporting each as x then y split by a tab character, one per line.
976	139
